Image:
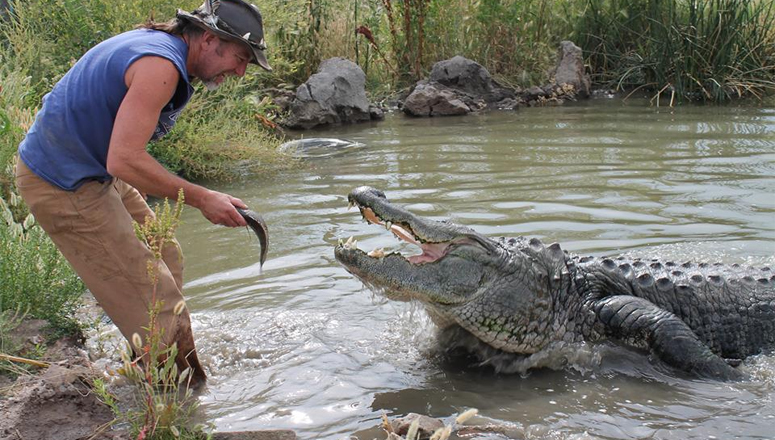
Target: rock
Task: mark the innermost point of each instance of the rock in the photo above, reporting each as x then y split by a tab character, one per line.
468	76
427	425
570	69
534	93
509	104
433	99
336	94
376	113
459	86
456	87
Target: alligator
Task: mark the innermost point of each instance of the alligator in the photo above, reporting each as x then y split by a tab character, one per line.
521	297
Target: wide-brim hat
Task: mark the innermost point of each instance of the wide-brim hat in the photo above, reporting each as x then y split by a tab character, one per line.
234	20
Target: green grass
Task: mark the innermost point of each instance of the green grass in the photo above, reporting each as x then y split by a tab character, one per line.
34	276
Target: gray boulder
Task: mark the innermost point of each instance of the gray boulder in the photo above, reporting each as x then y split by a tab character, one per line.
433	99
456	87
570	69
470	77
459	86
336	94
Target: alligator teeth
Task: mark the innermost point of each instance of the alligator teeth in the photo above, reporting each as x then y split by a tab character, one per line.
377	253
340	242
350	206
388	225
351	243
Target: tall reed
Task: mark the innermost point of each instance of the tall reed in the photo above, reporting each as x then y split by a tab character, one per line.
297	36
710	50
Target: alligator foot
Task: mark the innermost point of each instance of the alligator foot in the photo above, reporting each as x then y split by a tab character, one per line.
668	336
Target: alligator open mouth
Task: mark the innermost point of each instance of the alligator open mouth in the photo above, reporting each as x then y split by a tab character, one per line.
436	239
430	251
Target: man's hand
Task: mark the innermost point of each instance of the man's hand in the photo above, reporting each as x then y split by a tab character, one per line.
219	209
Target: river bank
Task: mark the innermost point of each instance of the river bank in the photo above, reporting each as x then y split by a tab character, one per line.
57	398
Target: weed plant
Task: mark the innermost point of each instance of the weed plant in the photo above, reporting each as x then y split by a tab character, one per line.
165	403
297	35
9	321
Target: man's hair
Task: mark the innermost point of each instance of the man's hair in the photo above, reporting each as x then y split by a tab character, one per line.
176	26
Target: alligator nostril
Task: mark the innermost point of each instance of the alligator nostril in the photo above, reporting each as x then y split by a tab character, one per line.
379	193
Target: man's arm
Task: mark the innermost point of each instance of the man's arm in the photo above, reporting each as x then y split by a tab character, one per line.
152	82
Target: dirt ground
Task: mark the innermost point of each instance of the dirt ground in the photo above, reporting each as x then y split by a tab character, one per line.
58	402
55	402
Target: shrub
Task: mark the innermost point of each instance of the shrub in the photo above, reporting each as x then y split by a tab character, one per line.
34	276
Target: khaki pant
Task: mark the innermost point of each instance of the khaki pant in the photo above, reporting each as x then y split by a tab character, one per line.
92	227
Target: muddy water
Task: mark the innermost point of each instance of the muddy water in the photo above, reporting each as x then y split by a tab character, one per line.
303	345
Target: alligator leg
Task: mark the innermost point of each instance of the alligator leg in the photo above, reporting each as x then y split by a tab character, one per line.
668	336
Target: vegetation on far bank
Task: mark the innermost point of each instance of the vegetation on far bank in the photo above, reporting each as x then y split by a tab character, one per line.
712	51
708	50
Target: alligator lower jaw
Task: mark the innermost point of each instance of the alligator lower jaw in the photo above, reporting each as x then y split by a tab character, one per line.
431	251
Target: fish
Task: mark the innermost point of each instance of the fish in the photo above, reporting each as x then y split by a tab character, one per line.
258	225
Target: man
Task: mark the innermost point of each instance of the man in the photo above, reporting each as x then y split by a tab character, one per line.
84	165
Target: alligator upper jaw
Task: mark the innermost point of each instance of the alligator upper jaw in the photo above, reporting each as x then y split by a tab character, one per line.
433	238
375	207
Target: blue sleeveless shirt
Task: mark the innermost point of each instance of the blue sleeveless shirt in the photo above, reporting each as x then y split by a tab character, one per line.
67	144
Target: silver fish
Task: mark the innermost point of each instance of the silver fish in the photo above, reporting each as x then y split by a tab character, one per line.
258	225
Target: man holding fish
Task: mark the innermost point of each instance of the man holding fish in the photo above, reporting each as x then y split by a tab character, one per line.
84	169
